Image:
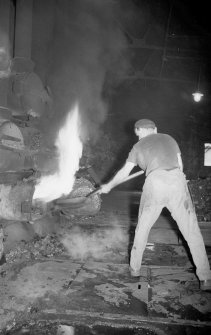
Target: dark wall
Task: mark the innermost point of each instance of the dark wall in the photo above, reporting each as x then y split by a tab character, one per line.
82	54
173	110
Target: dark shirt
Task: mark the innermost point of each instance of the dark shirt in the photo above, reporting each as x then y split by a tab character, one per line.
155	152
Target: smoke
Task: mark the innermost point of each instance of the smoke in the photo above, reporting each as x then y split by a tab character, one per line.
88	54
5	60
82	245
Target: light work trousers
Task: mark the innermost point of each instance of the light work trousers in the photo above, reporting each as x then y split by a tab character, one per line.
169	189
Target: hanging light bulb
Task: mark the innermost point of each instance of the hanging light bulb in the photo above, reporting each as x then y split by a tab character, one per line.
197	96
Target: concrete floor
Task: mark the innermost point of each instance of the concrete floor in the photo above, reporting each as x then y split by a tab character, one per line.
89	285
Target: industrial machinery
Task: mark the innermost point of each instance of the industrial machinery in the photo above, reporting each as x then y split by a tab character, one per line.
20	170
17	203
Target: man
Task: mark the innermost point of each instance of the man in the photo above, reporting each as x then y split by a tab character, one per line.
165	186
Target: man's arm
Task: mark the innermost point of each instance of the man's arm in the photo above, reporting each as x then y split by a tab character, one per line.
179	158
118	178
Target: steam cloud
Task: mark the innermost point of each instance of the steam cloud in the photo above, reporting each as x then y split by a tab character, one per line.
82	245
88	48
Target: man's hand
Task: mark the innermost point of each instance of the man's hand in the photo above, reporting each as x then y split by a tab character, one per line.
118	178
105	188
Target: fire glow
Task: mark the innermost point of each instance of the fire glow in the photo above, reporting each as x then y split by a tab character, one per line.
69	147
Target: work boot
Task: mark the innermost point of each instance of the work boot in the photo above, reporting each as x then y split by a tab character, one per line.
135	273
205	285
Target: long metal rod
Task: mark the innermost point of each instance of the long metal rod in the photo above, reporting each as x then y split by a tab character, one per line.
166	38
139	173
134	175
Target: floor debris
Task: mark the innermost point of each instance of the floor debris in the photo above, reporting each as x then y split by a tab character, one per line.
43	277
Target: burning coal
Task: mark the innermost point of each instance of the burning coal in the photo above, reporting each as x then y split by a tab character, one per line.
69	147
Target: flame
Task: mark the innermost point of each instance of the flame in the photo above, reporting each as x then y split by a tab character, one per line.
69	147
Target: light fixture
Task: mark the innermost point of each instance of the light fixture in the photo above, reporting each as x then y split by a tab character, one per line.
197	95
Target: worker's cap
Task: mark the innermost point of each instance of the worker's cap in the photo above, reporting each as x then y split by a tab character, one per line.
145	123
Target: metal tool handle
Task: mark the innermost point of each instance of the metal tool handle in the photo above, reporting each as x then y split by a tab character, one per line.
134	175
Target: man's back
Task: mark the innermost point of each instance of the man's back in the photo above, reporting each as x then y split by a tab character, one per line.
155	152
